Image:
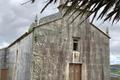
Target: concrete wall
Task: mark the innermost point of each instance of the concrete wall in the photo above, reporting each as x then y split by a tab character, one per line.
98	59
53	50
48	61
20	59
2	58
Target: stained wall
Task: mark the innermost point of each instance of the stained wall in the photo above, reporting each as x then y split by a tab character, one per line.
19	58
3	61
53	49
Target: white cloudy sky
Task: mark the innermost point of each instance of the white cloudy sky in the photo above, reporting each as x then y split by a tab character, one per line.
15	19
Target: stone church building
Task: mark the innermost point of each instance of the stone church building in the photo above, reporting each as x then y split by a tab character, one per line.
56	49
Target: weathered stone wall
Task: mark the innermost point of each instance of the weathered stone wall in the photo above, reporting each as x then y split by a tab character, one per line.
49	54
53	49
2	58
98	55
19	59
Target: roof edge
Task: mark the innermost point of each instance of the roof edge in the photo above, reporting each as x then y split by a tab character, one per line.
43	20
20	38
3	48
100	30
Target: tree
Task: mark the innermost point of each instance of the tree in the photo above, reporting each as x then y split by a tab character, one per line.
110	8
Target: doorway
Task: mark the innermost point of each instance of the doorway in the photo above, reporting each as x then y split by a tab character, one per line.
4	74
75	71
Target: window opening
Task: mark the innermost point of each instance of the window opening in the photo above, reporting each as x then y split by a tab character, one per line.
75	44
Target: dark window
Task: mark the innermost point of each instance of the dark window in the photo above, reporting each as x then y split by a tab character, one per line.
75	44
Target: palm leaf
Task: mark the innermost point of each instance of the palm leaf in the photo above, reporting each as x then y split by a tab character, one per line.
111	8
50	1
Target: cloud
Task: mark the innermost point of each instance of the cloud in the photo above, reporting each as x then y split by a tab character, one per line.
3	45
115	59
15	18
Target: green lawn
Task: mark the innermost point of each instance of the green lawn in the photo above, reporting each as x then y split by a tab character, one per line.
116	72
115	69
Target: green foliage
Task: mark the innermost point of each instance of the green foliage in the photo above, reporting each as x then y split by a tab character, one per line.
116	72
115	69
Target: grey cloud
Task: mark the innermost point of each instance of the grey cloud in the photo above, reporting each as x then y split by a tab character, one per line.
115	59
115	47
16	18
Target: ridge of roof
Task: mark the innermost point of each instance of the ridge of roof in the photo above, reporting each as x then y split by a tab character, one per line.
50	18
20	38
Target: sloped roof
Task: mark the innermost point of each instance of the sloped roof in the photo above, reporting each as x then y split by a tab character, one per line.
20	38
100	30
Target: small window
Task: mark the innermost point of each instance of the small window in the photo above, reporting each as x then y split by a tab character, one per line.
75	44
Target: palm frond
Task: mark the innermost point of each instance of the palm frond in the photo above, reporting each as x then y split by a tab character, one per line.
50	1
110	11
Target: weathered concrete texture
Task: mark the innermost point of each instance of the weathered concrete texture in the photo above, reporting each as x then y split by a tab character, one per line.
3	56
3	60
48	55
98	59
50	18
20	59
53	50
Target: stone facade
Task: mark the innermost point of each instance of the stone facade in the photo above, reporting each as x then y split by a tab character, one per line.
46	52
2	58
53	49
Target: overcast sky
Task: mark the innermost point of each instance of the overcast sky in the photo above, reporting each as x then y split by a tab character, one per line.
15	19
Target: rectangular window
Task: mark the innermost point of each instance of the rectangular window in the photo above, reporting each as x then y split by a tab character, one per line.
75	44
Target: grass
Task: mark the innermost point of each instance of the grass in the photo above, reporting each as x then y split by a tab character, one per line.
116	72
115	69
